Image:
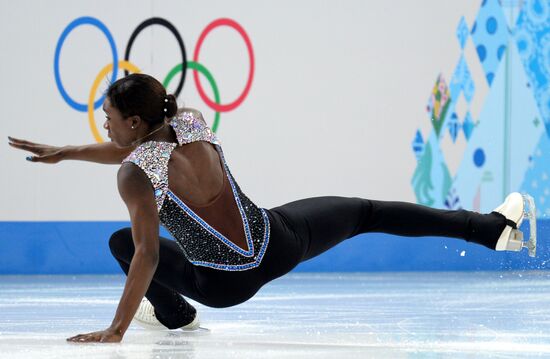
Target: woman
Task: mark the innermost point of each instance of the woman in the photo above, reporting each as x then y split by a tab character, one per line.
226	248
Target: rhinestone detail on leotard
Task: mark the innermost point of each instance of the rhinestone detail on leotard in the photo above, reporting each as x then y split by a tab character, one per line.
152	157
190	127
201	244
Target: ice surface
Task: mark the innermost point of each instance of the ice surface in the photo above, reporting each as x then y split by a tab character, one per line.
386	315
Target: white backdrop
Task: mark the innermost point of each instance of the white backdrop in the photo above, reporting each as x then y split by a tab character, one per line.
339	90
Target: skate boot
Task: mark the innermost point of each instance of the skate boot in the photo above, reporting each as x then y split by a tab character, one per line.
515	208
145	317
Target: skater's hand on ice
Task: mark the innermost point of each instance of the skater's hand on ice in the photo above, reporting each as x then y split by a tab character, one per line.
43	153
108	335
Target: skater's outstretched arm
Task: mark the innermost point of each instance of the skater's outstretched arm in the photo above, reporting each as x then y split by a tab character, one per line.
105	153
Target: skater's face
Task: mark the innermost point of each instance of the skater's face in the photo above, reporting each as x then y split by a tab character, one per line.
120	129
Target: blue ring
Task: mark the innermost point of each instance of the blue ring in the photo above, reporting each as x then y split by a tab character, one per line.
82	21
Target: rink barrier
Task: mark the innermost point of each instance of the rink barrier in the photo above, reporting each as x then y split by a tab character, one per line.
82	248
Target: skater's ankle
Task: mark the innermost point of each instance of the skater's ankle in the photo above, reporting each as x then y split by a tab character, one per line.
485	229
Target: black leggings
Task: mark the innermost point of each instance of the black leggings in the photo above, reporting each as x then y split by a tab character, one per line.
299	231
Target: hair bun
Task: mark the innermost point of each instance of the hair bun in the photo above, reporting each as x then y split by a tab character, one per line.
171	106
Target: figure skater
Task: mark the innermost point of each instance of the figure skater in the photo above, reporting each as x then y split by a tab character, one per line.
173	172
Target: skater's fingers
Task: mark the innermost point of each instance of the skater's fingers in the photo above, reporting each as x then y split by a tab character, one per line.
82	338
18	140
27	147
75	338
88	338
22	141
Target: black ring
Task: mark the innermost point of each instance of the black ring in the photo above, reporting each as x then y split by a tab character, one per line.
174	31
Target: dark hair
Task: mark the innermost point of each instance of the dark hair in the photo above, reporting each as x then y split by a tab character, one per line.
142	95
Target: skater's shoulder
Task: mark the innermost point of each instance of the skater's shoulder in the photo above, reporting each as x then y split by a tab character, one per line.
133	182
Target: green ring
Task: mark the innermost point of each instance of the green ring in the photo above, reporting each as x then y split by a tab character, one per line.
200	68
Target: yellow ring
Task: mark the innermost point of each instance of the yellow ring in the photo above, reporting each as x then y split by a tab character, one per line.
125	65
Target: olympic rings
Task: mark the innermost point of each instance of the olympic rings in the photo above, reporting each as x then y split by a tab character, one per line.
214	24
174	31
104	71
128	66
200	68
75	23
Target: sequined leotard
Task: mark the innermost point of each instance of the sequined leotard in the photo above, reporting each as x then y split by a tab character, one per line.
202	244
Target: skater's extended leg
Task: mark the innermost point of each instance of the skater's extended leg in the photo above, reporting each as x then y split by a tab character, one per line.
323	222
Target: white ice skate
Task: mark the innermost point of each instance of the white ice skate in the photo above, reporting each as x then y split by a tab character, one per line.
515	208
145	317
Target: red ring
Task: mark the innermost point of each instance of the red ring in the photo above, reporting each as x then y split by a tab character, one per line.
240	99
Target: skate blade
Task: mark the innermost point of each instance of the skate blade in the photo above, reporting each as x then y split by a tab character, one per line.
530	213
154	328
195	330
147	326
